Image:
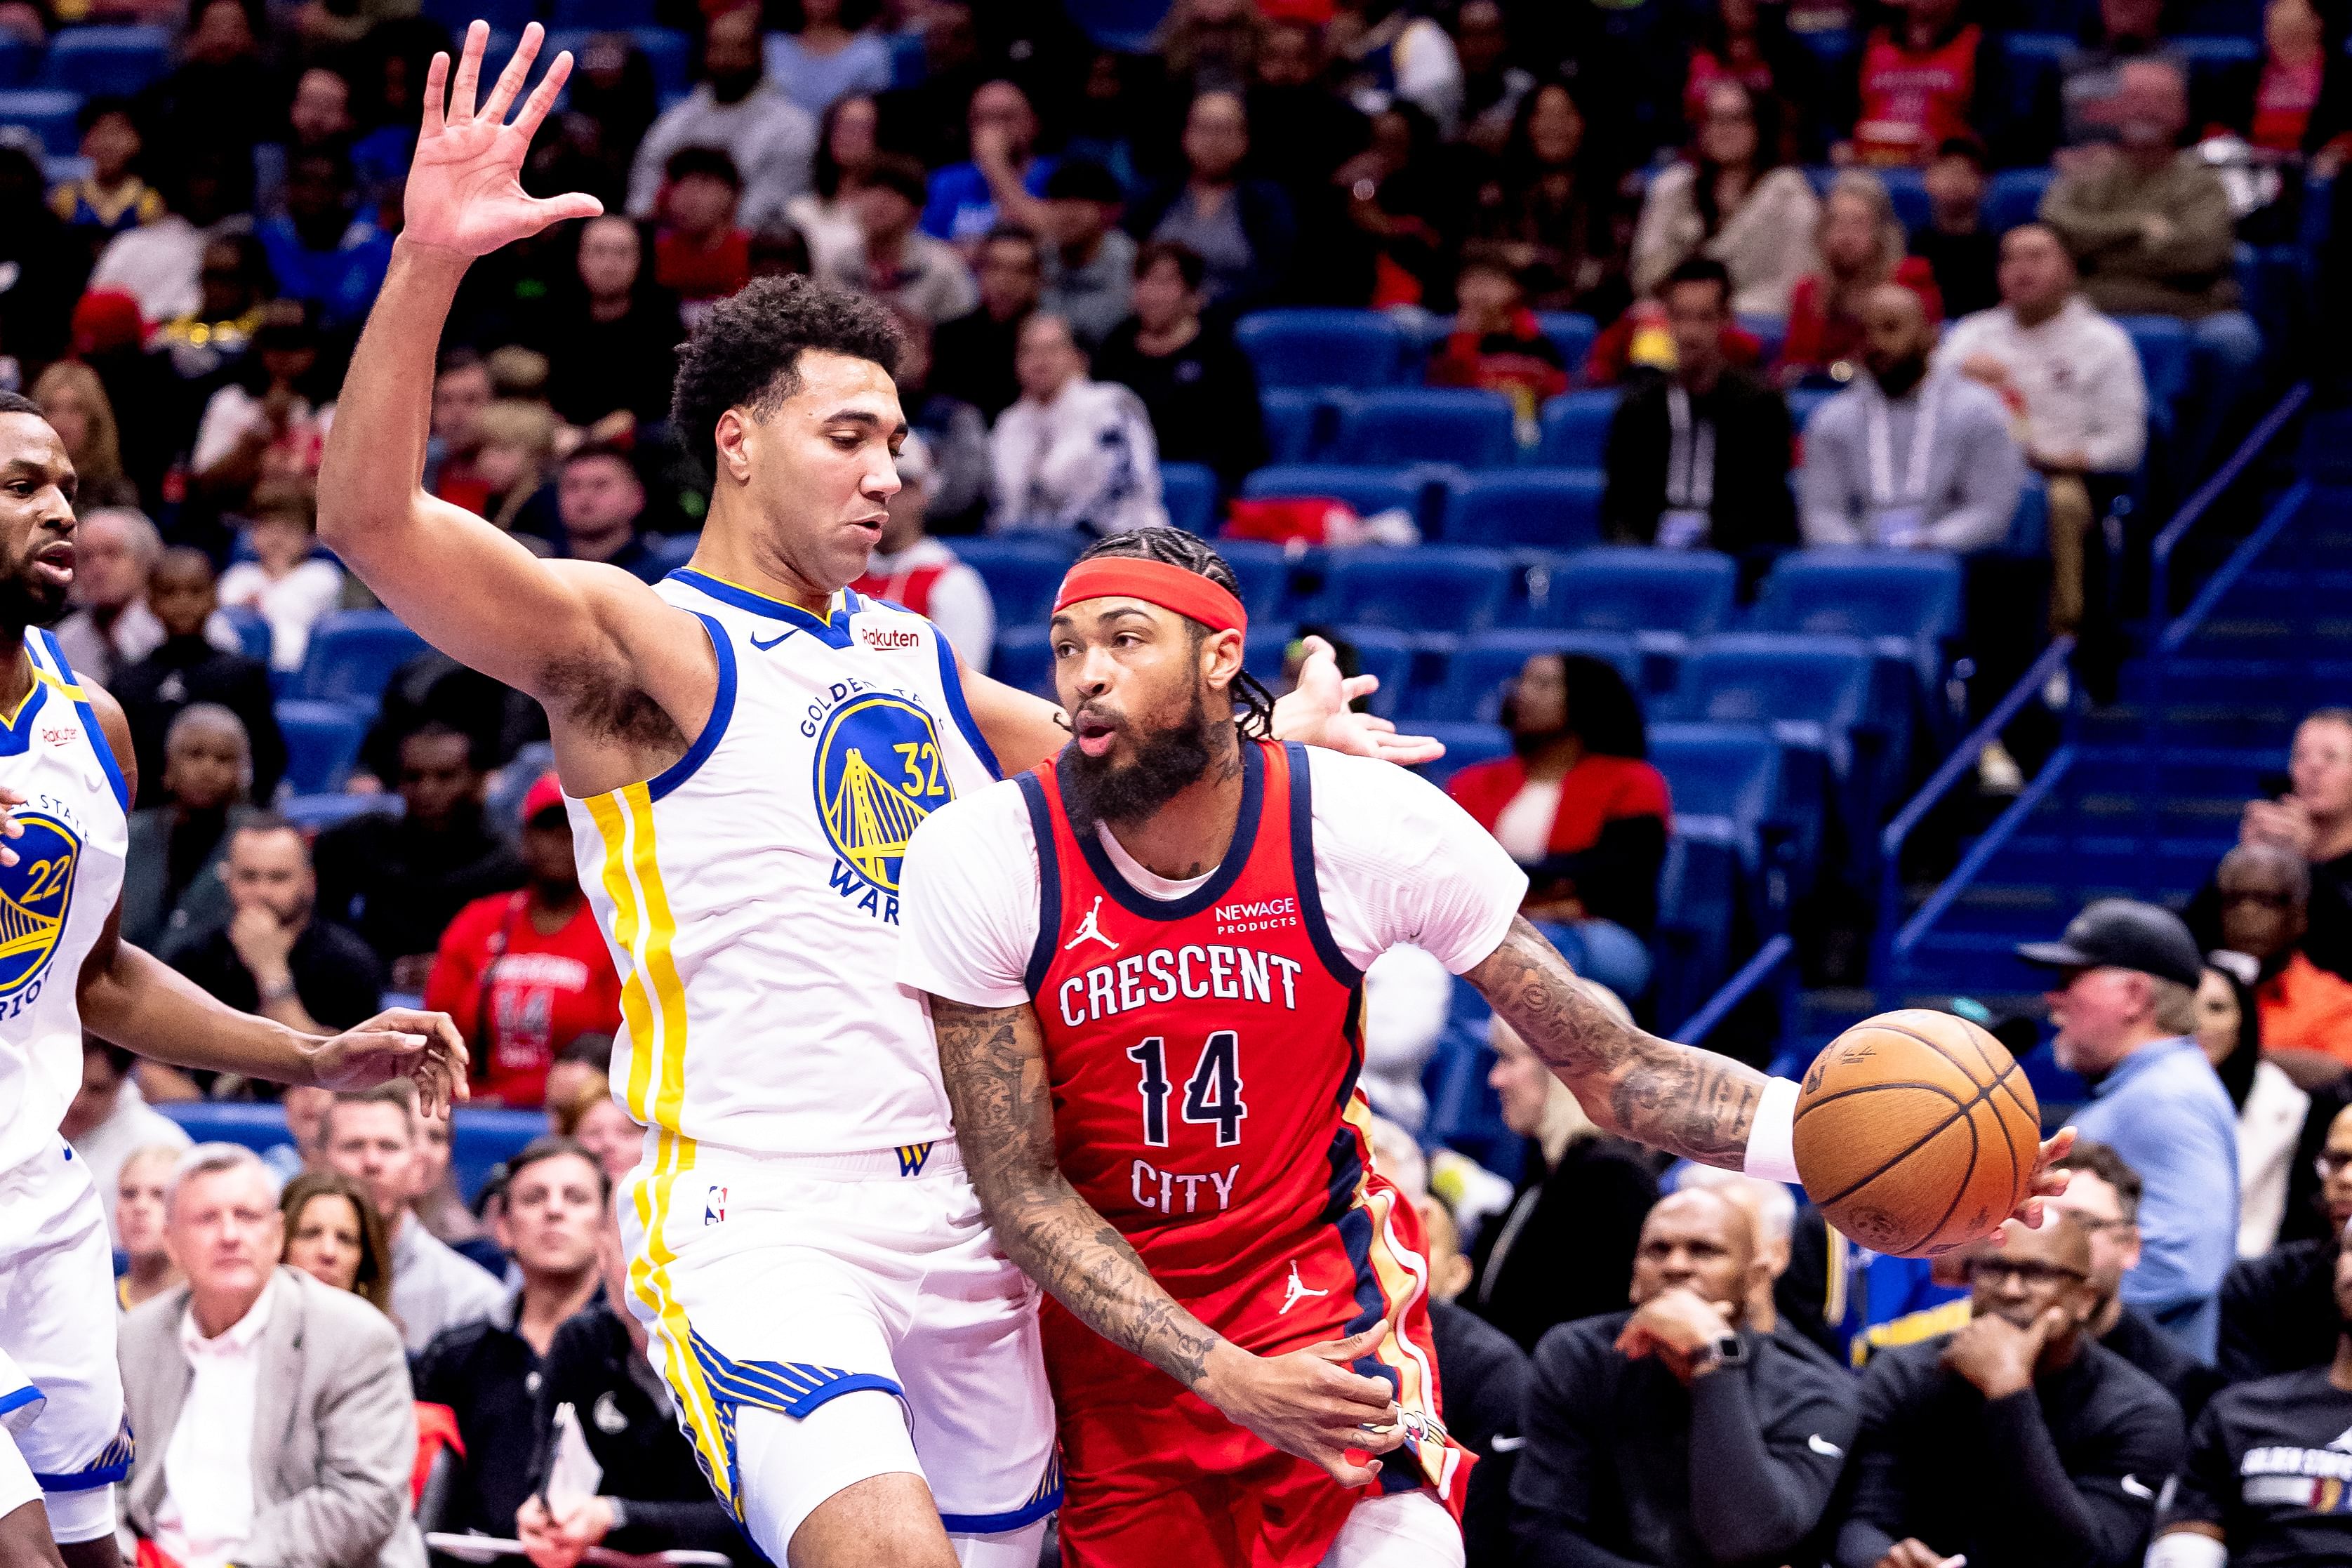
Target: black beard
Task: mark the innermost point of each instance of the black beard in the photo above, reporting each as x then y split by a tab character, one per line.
1096	790
25	600
1897	380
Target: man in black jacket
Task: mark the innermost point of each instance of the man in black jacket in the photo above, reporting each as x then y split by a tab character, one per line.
1700	458
2018	1440
1485	1377
187	668
2278	1311
1195	382
2103	1197
1674	1433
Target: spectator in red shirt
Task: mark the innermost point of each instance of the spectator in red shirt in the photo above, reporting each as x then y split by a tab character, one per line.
524	973
1862	246
699	254
1496	344
2296	50
1576	804
1922	77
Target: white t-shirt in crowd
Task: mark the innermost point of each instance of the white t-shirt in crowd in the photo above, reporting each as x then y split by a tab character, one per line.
292	605
1395	862
207	1508
1524	827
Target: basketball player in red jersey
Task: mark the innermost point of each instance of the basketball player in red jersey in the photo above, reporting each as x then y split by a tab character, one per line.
1144	965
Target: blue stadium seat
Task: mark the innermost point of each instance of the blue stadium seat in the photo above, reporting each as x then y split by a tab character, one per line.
1020	574
2028	526
1367	490
907	64
1810	693
1684	593
1723	781
1320	347
117	60
1571	332
1389	654
503	15
672	550
1464	744
1476	673
1433	588
253	636
323	740
1263	570
601	16
670	53
1126	25
1428	425
1189	491
1576	428
1545	509
1907	188
1297	422
48	113
2164	356
1804	402
1770	330
1906	604
1266	647
314	814
2014	196
20	59
1023	658
351	657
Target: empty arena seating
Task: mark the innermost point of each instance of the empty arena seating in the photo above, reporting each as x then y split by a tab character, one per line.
352	656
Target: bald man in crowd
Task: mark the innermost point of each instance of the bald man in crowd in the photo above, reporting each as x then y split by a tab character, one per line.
1679	1431
2265	893
1908	457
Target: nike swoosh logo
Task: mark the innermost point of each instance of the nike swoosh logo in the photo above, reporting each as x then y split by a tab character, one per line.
1824	1447
1508	1445
2136	1487
771	642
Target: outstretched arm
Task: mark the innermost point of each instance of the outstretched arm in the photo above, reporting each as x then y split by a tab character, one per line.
142	1005
1307	1402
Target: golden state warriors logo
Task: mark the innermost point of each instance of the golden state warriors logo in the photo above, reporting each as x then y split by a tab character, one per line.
33	895
879	772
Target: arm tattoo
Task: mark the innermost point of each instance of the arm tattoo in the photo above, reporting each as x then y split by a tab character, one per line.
994	1065
1688	1102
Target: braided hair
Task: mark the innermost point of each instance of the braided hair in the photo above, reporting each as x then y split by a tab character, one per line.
1253	703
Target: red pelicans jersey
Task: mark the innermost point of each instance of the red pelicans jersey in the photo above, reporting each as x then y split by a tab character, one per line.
1202	1054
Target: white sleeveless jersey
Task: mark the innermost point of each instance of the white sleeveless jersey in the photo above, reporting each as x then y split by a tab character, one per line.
750	894
54	900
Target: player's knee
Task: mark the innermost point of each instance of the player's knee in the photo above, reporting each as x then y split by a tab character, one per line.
839	1487
882	1522
25	1538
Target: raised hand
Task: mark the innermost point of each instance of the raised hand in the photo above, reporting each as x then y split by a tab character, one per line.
1316	712
401	1042
465	189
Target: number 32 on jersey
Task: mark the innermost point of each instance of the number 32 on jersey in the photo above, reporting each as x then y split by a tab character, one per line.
1213	1098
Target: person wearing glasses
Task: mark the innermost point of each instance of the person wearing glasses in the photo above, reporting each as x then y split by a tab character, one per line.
2278	1311
2103	1197
2017	1440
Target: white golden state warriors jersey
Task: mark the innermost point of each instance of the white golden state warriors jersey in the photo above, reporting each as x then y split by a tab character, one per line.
54	900
750	894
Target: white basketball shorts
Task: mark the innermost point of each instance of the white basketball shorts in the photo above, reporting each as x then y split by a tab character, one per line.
60	1392
782	1283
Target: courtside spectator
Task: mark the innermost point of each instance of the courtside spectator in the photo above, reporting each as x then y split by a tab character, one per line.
1564	1247
287	583
110	628
889	254
332	1233
2265	912
325	250
525	973
1554	209
137	1193
1243	228
953	433
1732	199
1908	458
770	139
399	880
2102	1198
1578	807
173	895
2089	86
2263	1479
274	1413
609	333
1861	246
702	254
1699	457
371	1136
1073	452
74	401
461	390
606	1130
601	502
2124	1001
2282	1126
1924	76
1497	343
1003	182
972	357
489	1371
1959	250
598	1394
232	282
1680	1432
276	955
186	668
1486	1380
2277	1309
2312	818
1089	260
1196	384
911	568
1772	1212
109	1119
2071	381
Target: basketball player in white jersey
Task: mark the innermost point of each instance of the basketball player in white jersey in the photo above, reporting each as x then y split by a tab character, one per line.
745	749
67	783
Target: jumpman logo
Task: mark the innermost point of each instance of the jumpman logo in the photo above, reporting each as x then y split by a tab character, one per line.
1297	1290
1091	929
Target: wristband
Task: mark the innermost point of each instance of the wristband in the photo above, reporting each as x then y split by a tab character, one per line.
1773	1135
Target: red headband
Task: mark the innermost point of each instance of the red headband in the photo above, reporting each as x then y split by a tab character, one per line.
1170	587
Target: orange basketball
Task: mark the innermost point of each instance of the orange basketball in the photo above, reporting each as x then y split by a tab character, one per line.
1917	1132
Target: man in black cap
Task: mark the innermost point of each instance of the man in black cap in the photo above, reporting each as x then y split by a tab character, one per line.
2124	1008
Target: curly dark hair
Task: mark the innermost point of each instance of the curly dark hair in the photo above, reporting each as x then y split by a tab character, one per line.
743	354
1253	703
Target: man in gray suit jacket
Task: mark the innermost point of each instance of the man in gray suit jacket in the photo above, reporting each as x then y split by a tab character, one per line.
276	1427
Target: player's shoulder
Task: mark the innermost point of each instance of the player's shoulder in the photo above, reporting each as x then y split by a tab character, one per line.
996	813
1343	776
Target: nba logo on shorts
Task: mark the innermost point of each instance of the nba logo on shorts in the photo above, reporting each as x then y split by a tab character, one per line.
34	896
714	1206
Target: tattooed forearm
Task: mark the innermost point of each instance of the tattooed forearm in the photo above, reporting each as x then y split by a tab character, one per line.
994	1066
1686	1100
